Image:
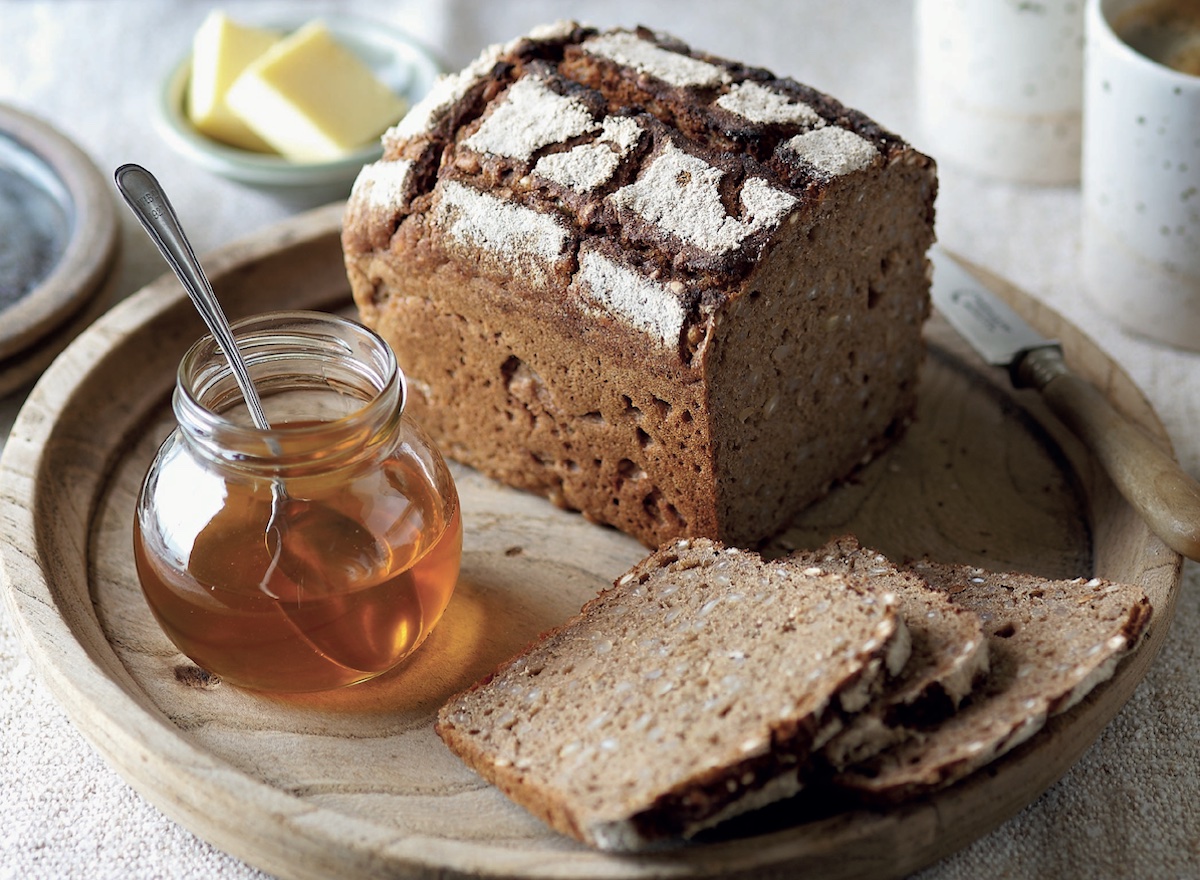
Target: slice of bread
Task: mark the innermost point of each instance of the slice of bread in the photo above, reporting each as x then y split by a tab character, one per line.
949	652
1049	641
696	688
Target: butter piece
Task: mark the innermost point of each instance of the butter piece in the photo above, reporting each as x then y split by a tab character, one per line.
221	50
312	99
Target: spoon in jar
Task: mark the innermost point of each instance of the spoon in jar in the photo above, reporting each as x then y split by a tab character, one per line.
142	191
357	551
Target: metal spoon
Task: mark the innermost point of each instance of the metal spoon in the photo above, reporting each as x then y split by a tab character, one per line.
299	519
145	195
142	191
291	520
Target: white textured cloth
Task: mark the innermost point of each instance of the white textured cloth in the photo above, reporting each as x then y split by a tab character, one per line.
1129	808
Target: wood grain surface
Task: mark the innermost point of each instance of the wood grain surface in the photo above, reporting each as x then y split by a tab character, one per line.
355	783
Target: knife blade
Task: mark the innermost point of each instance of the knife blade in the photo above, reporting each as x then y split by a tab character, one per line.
1142	471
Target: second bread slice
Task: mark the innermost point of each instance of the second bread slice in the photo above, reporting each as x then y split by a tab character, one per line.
696	688
1050	643
949	652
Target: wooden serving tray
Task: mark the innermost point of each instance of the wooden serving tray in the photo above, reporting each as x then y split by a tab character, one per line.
355	783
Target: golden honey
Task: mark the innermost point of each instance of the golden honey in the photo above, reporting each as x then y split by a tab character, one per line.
312	556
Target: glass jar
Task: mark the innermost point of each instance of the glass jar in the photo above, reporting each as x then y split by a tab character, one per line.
313	555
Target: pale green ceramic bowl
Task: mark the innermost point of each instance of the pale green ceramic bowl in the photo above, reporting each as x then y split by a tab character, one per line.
396	58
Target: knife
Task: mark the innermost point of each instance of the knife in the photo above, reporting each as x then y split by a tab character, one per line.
1147	476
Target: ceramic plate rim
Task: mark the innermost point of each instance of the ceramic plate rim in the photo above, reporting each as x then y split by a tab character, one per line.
92	240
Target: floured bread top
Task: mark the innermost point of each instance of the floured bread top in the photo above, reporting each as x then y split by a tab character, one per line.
641	177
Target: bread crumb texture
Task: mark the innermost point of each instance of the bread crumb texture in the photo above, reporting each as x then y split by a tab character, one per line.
1050	643
709	681
699	685
948	654
704	275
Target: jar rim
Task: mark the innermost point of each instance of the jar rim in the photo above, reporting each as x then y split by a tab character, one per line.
271	336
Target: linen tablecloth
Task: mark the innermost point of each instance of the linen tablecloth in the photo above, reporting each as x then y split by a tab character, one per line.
1129	808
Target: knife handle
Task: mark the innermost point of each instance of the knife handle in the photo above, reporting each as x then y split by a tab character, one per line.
1149	479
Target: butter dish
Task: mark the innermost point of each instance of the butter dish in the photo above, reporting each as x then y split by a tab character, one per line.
407	68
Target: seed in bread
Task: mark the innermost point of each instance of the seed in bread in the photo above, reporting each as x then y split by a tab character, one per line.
696	688
1050	642
676	293
949	653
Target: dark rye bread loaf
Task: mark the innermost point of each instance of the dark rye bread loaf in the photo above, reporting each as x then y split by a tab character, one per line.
1049	642
696	688
949	653
677	293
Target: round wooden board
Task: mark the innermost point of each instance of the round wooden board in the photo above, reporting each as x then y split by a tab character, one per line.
355	783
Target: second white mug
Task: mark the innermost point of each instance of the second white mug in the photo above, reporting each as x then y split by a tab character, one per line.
1141	178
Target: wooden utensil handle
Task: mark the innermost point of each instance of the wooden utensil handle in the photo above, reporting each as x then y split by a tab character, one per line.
1153	482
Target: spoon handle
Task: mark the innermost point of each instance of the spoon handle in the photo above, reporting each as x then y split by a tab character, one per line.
143	193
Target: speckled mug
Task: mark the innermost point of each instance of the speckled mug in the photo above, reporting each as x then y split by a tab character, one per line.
1141	186
1000	86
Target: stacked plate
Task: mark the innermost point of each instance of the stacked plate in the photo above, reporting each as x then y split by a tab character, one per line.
58	239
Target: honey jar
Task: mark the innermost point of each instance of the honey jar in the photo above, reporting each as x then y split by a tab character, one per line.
311	555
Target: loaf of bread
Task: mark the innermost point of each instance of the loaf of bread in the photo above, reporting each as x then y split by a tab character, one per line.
949	653
676	293
696	688
1050	642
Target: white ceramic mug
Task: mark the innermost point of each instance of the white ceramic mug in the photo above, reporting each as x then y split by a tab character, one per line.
1000	86
1141	184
